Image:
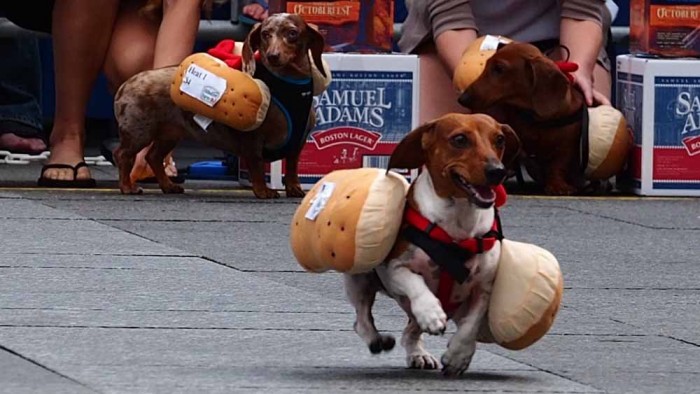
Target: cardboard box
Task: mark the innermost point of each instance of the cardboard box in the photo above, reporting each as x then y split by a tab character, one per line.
665	27
348	25
660	99
369	107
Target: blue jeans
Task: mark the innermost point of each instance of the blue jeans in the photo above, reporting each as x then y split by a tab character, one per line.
20	83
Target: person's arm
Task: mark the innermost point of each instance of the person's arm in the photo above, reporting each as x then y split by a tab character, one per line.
453	28
581	32
451	44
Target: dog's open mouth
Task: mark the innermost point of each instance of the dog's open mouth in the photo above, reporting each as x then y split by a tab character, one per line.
482	196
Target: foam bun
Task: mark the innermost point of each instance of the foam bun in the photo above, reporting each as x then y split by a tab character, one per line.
526	295
244	103
349	220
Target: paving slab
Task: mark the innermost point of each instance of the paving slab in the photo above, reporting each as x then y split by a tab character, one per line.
156	360
609	361
37	236
20	375
208	286
673	313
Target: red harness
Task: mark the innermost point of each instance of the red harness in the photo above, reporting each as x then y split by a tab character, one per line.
474	245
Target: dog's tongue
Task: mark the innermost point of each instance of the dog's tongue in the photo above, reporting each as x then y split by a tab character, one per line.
486	193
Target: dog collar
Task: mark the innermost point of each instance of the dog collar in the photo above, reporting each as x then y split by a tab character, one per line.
450	254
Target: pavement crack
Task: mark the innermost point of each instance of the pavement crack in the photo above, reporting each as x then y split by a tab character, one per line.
183	328
601	216
211	260
189	221
49	369
680	340
557	374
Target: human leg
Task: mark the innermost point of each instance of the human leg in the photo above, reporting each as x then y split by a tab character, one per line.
81	33
20	91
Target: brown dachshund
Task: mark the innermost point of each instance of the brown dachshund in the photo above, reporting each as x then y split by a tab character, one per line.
146	114
528	91
436	270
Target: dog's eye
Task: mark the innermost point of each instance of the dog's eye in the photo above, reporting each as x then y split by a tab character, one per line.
265	35
460	141
292	35
498	69
500	141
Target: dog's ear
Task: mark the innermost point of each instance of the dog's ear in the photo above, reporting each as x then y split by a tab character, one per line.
315	43
549	87
513	146
251	44
410	152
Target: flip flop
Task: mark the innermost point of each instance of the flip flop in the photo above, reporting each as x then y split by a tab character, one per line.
64	183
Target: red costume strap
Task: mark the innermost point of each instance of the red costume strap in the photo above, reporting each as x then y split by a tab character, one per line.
474	245
567	68
224	51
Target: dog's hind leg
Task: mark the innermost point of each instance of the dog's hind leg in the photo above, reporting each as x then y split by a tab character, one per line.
361	290
125	155
162	145
416	355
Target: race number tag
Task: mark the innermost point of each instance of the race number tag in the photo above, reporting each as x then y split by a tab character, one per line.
320	201
203	85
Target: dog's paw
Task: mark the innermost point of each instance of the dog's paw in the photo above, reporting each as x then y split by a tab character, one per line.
266	193
422	360
456	361
173	189
295	191
133	189
383	343
559	189
429	314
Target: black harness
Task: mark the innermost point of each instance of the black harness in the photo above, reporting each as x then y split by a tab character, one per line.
294	97
579	116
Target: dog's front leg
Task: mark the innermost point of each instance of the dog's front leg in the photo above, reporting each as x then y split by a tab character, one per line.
256	171
292	186
462	345
416	355
424	306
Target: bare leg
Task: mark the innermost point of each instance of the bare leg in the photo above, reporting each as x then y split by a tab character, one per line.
602	81
416	355
361	290
81	32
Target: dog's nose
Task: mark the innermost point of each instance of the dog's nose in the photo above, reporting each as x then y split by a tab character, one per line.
495	172
464	99
273	57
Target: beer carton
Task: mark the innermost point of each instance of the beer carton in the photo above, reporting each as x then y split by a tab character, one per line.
347	25
660	99
371	104
665	27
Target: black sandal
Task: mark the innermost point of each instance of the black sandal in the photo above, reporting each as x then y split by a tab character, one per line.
64	183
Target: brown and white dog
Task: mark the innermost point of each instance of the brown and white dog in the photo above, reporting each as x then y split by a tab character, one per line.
146	114
535	97
454	196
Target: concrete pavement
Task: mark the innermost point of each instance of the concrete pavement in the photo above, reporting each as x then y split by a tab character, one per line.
200	293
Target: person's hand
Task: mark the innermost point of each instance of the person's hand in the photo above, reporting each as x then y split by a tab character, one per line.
584	80
255	11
